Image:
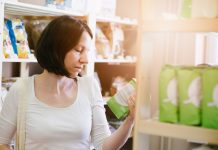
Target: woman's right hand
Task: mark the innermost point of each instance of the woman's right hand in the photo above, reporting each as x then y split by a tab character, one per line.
4	147
131	105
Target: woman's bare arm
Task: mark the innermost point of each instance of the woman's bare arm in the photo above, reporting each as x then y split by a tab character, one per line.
120	136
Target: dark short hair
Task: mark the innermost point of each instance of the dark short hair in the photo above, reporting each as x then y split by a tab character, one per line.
59	37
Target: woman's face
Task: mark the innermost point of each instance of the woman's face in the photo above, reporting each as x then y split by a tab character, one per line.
77	57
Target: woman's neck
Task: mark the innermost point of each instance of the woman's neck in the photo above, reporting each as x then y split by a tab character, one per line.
56	83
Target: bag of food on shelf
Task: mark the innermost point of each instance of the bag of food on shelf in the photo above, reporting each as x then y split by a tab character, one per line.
21	38
210	98
168	94
7	47
189	95
103	47
18	37
34	29
119	102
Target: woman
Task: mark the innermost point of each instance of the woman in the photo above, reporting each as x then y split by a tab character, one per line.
64	112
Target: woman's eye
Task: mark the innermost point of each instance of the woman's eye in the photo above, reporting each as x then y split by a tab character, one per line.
77	50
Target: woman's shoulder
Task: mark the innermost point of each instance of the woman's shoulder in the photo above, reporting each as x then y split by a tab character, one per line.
21	83
16	91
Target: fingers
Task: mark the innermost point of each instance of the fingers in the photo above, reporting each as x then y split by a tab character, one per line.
131	101
131	104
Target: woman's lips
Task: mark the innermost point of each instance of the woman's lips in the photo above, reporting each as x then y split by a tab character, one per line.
79	68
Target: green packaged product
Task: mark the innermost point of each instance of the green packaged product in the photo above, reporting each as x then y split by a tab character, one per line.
119	102
168	95
189	95
210	98
186	8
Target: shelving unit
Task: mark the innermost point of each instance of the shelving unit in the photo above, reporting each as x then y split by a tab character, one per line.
150	60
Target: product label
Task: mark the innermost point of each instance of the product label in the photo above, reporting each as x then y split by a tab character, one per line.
123	95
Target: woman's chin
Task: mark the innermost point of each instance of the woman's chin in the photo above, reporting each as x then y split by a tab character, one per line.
74	75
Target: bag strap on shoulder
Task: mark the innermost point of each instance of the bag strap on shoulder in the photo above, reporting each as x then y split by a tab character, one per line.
21	117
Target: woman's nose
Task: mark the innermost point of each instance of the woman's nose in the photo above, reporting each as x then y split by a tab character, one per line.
84	58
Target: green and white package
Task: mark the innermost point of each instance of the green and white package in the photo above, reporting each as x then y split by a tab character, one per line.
210	98
119	102
189	95
186	8
168	95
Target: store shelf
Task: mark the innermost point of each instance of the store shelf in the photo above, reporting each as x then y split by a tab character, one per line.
191	133
117	20
18	60
24	9
186	25
114	61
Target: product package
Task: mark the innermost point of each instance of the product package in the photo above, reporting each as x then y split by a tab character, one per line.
210	98
189	95
119	102
18	37
102	43
7	46
168	95
186	8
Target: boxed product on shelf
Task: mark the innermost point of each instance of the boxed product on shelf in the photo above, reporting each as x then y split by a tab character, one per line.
168	95
210	98
190	95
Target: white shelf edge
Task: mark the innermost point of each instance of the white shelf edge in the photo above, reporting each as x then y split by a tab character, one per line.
181	25
116	20
114	61
192	133
19	8
19	60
